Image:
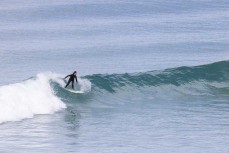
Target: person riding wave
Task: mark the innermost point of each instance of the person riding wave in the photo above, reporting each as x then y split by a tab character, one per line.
71	79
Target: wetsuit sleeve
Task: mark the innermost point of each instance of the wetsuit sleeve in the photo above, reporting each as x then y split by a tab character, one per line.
67	76
76	78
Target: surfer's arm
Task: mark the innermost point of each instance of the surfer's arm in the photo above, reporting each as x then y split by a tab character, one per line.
76	79
66	76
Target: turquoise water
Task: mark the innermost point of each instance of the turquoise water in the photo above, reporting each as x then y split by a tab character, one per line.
155	76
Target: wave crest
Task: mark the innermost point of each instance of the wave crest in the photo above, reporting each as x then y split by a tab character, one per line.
216	72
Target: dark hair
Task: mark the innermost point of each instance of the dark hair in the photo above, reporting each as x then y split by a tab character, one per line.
74	72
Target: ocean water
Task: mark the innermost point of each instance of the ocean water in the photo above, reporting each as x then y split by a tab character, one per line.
155	76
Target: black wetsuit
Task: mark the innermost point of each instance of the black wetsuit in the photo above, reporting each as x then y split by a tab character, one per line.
71	79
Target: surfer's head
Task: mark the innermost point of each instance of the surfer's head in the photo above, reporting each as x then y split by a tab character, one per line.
74	72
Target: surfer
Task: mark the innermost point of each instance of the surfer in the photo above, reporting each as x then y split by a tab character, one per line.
71	79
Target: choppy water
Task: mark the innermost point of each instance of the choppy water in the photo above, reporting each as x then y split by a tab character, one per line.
155	76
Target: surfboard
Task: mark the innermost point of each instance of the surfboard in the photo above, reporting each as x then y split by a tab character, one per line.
74	91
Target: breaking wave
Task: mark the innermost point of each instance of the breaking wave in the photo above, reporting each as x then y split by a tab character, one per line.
44	94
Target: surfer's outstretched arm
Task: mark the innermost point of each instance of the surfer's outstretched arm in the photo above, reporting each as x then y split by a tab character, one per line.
66	76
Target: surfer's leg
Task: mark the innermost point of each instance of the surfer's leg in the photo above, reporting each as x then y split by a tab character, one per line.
67	83
72	84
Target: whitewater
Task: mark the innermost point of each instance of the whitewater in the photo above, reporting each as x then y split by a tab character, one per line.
153	76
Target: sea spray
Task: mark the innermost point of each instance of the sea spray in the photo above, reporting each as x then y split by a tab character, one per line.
85	85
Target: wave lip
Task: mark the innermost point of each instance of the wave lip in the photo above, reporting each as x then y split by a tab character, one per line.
24	100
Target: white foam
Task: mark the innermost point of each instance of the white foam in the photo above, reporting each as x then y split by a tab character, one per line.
24	100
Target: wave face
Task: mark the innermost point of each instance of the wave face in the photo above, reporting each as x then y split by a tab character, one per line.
216	72
25	99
